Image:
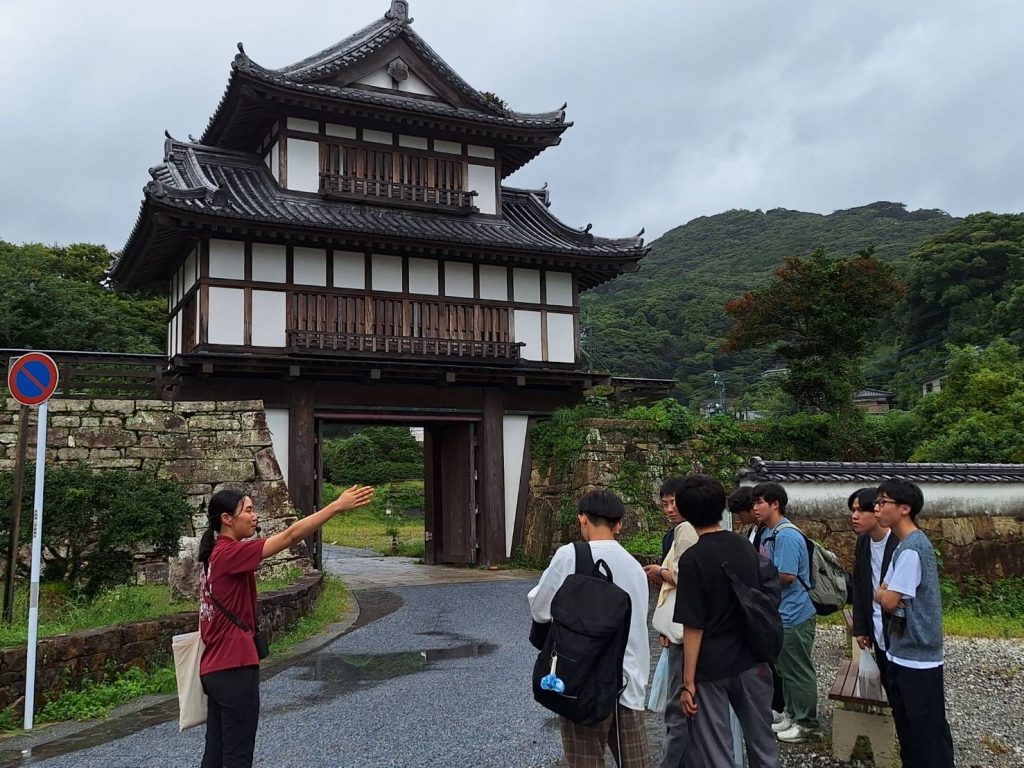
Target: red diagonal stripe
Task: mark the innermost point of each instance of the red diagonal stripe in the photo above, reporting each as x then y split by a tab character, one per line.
33	379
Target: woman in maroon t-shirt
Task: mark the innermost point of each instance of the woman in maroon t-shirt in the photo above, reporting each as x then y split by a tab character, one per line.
230	667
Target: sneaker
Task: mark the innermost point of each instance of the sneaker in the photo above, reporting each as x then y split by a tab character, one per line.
797	734
783	724
777	717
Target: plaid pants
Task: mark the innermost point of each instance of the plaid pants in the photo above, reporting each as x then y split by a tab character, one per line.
584	745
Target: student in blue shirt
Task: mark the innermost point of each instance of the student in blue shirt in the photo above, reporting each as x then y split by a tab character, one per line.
784	544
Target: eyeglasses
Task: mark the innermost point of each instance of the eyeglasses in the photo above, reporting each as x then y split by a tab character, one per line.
883	502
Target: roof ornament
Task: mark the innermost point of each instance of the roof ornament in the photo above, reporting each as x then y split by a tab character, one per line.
586	229
399	12
241	57
398	70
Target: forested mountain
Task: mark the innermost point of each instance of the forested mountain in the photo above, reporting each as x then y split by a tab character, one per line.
667	320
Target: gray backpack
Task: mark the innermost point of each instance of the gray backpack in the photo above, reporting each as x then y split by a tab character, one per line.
829	589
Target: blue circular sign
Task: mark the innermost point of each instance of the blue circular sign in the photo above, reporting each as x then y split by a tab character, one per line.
32	378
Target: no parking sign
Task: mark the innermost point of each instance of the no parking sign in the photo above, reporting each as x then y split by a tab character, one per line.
32	379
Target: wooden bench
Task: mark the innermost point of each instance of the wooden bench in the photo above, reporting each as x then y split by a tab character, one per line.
856	716
854	648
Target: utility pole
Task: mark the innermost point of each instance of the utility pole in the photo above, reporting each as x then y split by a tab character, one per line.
720	386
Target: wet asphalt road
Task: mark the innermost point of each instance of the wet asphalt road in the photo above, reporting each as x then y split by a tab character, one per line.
442	680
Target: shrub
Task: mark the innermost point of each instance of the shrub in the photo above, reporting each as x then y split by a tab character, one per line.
374	456
93	523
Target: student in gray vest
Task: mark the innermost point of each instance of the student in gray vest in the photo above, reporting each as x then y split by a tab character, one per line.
910	594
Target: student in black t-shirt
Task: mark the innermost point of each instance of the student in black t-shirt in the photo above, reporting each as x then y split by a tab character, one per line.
718	667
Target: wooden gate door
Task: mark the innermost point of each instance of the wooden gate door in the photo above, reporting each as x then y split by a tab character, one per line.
450	493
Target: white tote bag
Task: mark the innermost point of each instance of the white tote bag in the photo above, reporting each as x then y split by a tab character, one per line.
659	684
188	652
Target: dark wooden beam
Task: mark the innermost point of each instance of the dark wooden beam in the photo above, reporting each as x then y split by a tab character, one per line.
491	498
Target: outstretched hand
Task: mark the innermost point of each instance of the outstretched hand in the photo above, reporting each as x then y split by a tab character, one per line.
354	497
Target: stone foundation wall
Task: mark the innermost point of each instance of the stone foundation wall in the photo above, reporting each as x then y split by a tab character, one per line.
621	456
67	661
205	446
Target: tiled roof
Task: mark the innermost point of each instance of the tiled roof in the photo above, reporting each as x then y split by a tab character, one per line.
759	470
235	186
869	393
307	76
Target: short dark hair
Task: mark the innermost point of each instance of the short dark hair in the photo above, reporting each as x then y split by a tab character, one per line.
771	492
602	508
741	500
903	492
670	486
700	499
865	499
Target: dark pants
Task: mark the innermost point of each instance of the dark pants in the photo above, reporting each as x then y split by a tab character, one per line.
233	712
919	710
778	700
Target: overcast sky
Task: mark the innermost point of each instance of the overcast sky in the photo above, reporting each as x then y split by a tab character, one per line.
682	108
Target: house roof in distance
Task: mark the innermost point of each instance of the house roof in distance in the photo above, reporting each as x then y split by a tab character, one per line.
205	187
759	470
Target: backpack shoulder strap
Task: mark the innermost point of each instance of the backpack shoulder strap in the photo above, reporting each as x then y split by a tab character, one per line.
809	542
584	558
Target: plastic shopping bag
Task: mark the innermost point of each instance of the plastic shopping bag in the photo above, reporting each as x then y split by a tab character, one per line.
188	652
659	684
869	679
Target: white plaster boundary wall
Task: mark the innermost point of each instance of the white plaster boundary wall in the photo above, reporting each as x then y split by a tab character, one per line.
828	500
514	439
303	165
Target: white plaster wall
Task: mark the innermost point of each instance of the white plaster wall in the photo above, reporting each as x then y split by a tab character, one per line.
412	142
227	259
450	147
190	271
175	334
268	262
423	276
493	282
378	79
561	338
386	273
275	162
514	439
475	150
413	84
309	266
458	279
963	498
303	165
481	179
268	318
343	131
349	270
378	137
527	326
558	288
169	346
300	124
526	285
277	423
227	316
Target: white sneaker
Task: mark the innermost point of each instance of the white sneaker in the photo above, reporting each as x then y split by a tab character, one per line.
783	724
797	734
777	716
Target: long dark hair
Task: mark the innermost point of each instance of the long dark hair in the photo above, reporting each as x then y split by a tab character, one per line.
225	501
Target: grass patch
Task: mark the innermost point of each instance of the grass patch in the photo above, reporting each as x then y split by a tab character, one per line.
965	623
98	699
330	608
61	613
641	543
371	527
288	577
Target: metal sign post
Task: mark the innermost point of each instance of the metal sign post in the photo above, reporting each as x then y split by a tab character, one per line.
32	379
37	545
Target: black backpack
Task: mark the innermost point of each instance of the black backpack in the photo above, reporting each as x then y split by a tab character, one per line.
590	618
759	607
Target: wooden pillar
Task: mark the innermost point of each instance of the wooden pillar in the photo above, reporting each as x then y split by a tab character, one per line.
301	444
491	479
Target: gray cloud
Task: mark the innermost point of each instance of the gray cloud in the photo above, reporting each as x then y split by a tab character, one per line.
680	109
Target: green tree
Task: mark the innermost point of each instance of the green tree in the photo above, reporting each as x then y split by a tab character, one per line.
812	314
978	416
54	298
376	455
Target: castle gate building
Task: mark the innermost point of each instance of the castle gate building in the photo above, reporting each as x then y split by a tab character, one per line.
339	243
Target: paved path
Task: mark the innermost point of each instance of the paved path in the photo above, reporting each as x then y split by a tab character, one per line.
439	678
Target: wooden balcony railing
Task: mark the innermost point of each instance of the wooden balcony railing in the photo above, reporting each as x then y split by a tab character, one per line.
354	188
360	323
